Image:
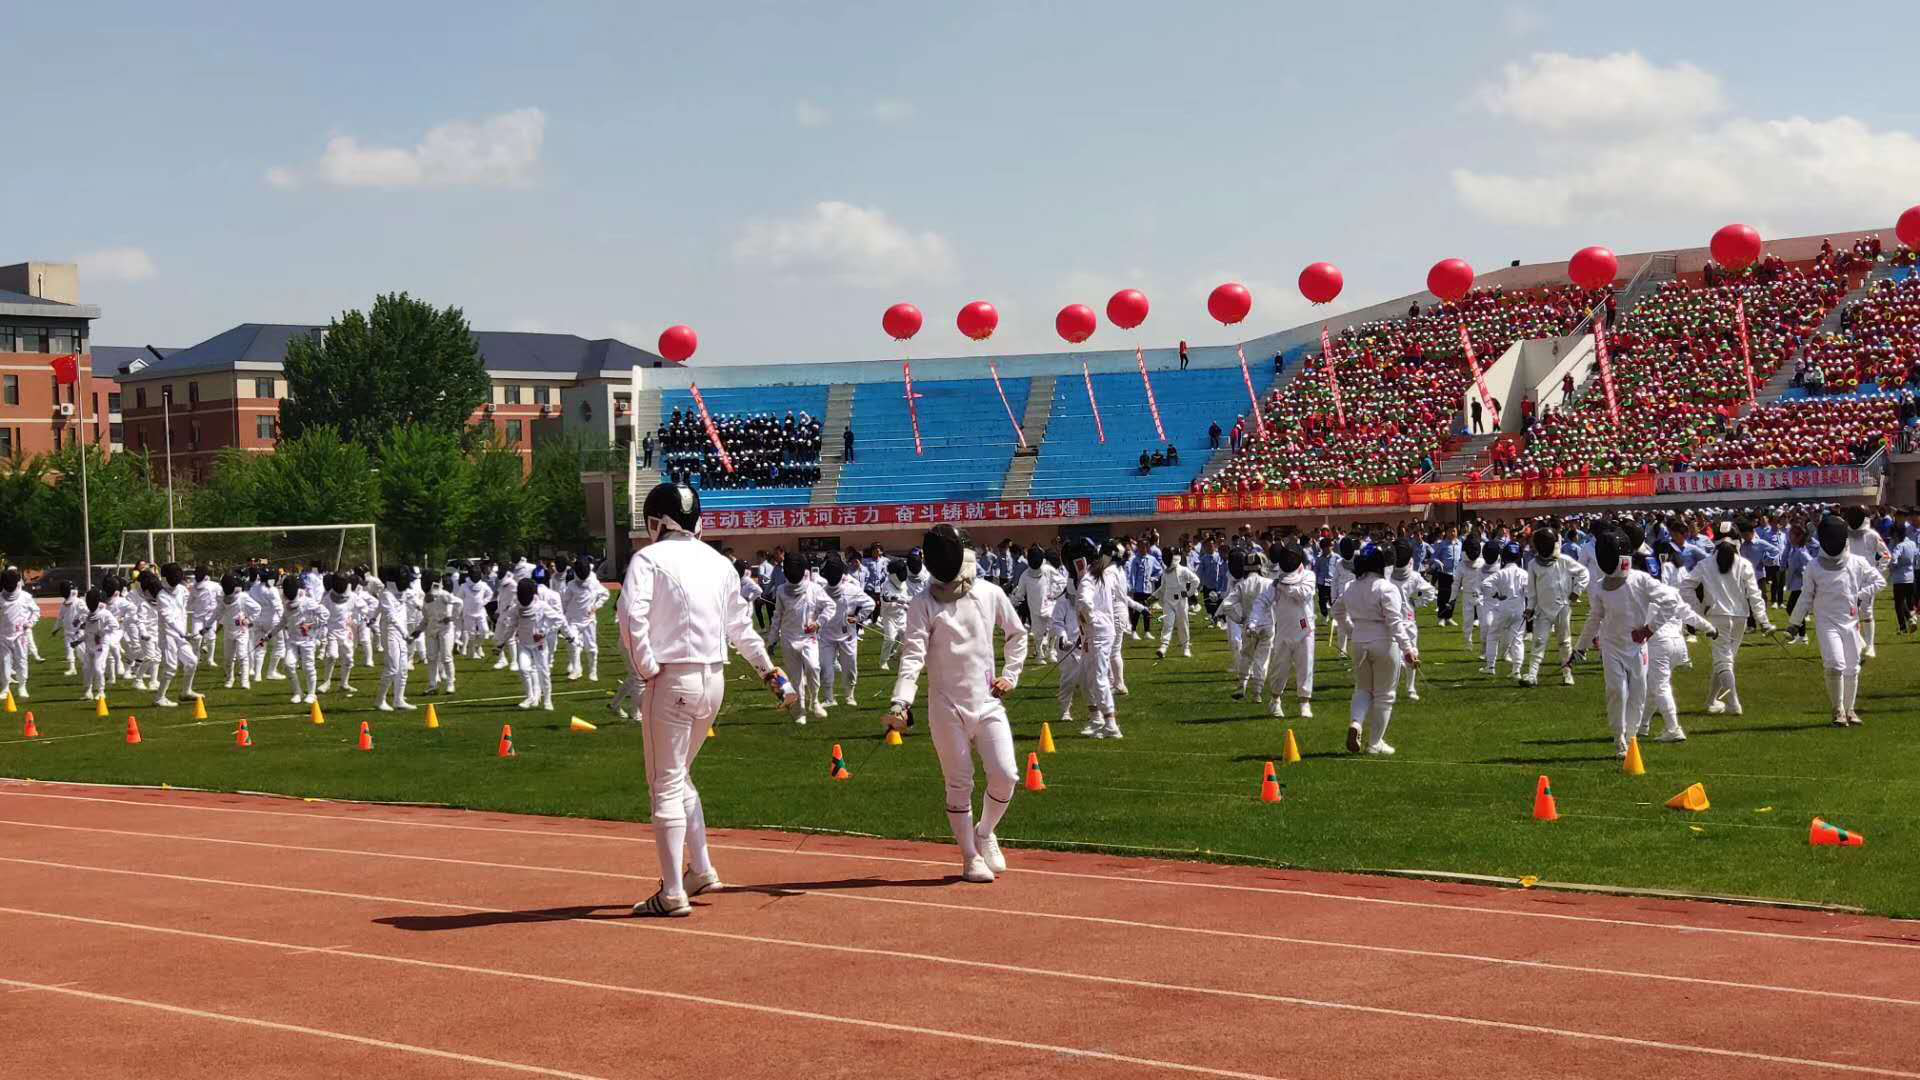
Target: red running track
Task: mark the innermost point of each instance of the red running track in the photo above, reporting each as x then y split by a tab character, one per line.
165	933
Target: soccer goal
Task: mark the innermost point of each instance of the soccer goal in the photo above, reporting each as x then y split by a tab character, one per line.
284	546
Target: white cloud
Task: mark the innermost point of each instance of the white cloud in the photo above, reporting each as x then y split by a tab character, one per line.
117	264
892	110
1557	92
1799	171
499	151
850	243
810	114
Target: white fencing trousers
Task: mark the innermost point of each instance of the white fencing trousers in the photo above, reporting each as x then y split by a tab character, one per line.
535	663
1097	673
585	657
13	663
679	705
801	658
892	624
1073	678
1255	645
1291	660
440	659
1664	655
1176	621
240	656
839	660
1625	672
179	656
1376	669
1118	660
1040	631
399	659
1549	627
300	660
955	741
1725	647
1233	648
1507	638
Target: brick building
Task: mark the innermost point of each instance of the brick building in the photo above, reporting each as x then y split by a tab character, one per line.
41	318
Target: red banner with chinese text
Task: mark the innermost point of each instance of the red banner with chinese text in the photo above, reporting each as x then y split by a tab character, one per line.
1021	435
1479	377
913	410
888	515
1259	425
1746	349
1098	427
713	433
1606	367
1152	405
1333	381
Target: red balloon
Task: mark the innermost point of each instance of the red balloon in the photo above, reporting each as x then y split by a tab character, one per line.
1127	309
1075	323
901	321
1450	279
1736	247
1229	303
1908	228
1593	268
678	342
978	320
1321	282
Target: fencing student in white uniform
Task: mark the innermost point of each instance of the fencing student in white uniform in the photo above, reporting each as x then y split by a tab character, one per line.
1343	575
343	628
1123	603
1291	598
263	587
1503	597
1070	655
530	627
1553	580
396	632
1616	624
475	595
1729	596
238	615
1039	588
73	607
1376	619
179	657
1864	542
1667	613
1467	576
680	608
129	653
1178	586
1837	588
1419	593
949	635
1091	593
892	596
840	632
95	631
203	614
1236	611
441	613
18	612
800	605
581	598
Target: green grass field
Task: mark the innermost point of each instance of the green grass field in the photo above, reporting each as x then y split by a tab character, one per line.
1184	782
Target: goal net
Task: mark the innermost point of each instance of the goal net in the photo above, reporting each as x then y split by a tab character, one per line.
282	546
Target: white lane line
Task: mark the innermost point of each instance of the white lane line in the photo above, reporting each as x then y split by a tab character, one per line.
583	984
273	1025
1242	995
1426	905
31	989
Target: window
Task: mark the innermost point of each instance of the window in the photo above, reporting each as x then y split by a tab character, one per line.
113	403
33	339
6	339
64	341
513	433
263	388
140	397
11	390
510	395
193	393
543	395
193	435
6	442
263	427
118	433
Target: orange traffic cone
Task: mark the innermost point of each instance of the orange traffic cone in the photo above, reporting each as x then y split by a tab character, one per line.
1046	738
1825	835
1633	765
100	706
1544	808
1269	785
366	736
1035	782
1291	754
242	738
506	740
1694	799
32	731
133	732
893	738
837	767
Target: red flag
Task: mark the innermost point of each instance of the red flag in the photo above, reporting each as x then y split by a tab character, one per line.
1479	377
913	411
1152	405
712	432
1333	382
1746	350
1021	435
1259	422
1097	425
66	370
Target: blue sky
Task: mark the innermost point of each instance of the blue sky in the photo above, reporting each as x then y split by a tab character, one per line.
778	175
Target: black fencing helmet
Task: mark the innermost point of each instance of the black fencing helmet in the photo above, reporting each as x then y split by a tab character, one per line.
897	569
95	598
1546	544
1856	516
1635	537
1348	546
9	581
946	551
1724	553
1609	548
582	569
1370	559
833	570
1290	558
1832	534
526	591
1509	554
1402	553
1237	563
915	563
671	508
1079	549
172	574
1470	548
793	567
1036	557
149	583
229	584
290	587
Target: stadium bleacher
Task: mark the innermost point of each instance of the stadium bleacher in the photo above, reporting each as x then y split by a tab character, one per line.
741	402
964	433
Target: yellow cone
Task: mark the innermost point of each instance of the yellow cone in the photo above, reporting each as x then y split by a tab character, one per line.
893	738
100	705
1694	799
1633	766
433	718
710	732
318	716
199	708
574	723
11	707
1291	755
1046	738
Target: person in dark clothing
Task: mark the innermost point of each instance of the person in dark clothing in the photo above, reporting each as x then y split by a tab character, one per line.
646	450
1183	356
1173	454
1474	410
1146	463
1213	436
846	444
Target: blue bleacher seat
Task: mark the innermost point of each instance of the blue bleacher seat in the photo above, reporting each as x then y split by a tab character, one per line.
743	401
964	432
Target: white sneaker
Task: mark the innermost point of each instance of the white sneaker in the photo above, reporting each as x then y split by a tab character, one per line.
299	699
229	681
819	711
190	695
1275	709
702	883
1413	695
1188	653
990	851
852	702
1091	730
165	703
1869	654
1306	710
311	699
547	704
405	706
662	905
384	707
1566	677
525	703
800	717
1716	707
1735	708
1121	690
1671	737
1853	719
327	687
1381	748
977	871
1111	731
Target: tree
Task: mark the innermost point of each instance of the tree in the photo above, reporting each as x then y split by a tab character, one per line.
560	500
403	363
426	492
230	497
31	532
503	510
317	478
122	493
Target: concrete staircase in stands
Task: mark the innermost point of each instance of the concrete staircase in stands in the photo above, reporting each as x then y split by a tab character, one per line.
832	458
646	421
1469	457
1018	482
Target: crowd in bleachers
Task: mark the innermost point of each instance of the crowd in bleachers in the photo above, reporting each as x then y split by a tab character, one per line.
1401	382
765	451
1844	431
1879	345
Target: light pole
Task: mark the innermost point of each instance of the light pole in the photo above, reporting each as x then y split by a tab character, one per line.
166	420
